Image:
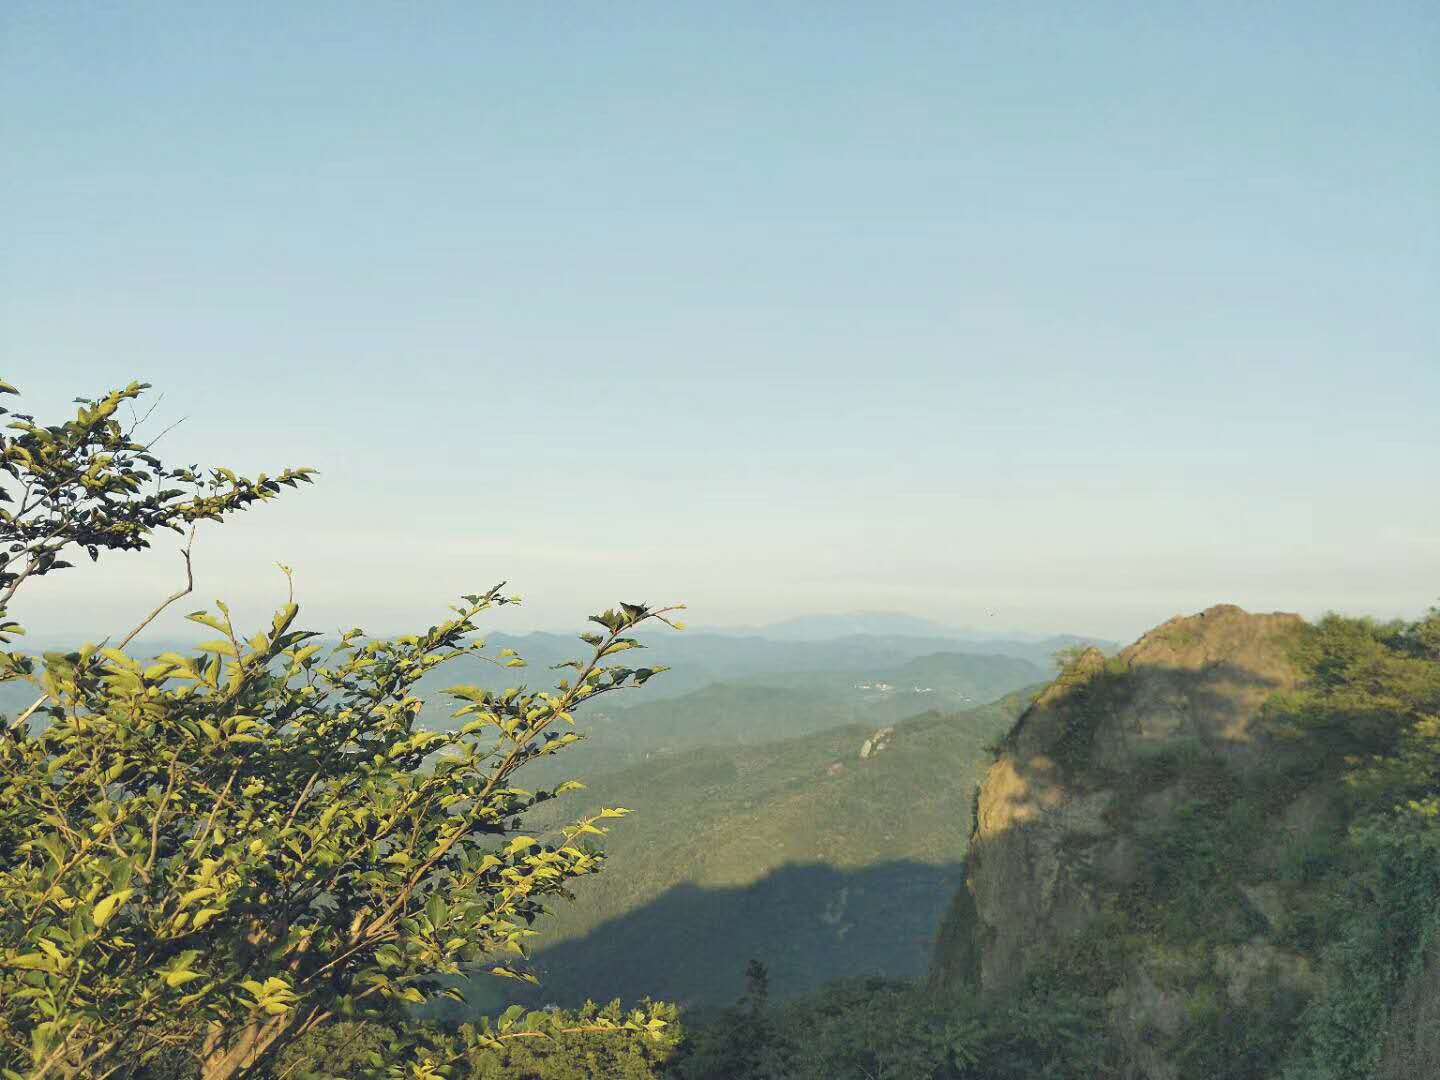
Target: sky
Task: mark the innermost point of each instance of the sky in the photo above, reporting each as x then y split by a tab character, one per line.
1086	315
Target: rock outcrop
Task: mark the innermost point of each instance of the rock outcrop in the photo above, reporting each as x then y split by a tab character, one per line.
876	743
1118	760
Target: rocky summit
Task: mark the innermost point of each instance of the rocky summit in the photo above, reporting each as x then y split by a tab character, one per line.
1098	827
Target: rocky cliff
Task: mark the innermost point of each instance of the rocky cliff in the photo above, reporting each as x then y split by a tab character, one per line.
1132	836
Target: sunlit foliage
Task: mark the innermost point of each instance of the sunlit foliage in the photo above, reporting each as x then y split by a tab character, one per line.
205	856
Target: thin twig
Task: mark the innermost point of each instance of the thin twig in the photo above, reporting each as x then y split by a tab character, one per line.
163	432
20	720
136	421
189	588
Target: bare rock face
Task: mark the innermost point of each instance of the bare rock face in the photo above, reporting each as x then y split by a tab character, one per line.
876	743
1064	810
1200	678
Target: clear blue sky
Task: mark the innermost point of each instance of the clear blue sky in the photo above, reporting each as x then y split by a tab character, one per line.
1087	314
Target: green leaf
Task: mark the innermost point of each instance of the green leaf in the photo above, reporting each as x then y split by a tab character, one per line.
435	910
206	619
105	909
30	962
521	843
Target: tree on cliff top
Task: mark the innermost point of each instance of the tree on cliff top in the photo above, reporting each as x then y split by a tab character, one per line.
206	856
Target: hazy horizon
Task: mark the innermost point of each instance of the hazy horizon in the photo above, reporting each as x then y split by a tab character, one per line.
502	623
1086	320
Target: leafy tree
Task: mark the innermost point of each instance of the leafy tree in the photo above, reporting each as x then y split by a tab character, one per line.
205	857
558	1044
1371	702
579	1045
743	1041
1066	658
886	1029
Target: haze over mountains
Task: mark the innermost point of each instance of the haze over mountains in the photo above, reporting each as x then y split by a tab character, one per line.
864	644
827	626
697	657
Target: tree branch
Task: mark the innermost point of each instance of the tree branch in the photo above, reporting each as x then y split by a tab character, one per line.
178	594
20	720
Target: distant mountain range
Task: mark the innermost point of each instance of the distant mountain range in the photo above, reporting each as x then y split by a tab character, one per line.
771	706
697	659
826	627
824	668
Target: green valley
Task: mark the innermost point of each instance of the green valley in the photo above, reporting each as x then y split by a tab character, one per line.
802	852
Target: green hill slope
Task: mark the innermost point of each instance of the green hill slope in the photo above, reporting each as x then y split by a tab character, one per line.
798	852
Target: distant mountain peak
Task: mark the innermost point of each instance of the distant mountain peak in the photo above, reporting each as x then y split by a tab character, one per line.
850	623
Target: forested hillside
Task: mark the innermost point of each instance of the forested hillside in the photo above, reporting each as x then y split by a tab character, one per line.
783	705
821	861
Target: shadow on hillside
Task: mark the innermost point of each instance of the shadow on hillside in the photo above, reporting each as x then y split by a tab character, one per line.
808	923
1126	729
